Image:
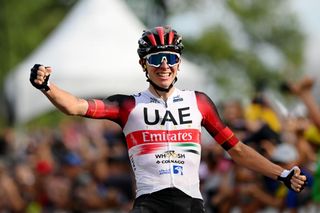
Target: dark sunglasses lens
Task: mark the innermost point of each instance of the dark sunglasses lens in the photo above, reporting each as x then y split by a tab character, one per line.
172	59
156	59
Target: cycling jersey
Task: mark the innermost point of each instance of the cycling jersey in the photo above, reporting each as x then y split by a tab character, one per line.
163	137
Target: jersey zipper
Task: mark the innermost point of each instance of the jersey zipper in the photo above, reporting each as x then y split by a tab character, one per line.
168	128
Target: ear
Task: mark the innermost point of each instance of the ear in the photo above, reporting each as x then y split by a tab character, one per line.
178	65
142	62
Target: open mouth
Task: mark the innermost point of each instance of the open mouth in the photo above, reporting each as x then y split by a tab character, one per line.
164	74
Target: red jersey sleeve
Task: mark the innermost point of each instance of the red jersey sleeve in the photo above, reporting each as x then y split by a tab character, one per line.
213	124
116	108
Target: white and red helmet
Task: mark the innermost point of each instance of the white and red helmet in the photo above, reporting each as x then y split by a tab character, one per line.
161	38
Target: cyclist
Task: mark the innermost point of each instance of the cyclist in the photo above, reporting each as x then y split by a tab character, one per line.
162	126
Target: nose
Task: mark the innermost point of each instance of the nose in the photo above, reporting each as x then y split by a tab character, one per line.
164	64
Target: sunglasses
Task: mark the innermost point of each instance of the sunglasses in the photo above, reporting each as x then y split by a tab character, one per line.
156	59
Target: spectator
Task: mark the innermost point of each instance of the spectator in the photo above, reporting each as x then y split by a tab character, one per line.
303	90
10	197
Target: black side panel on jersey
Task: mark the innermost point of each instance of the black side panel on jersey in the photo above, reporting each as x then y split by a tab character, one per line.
125	104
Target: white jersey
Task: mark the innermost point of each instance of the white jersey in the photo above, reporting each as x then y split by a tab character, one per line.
163	137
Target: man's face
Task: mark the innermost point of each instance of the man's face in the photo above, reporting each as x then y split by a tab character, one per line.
165	73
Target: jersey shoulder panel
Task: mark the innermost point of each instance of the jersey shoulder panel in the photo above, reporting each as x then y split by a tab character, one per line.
125	104
213	123
115	108
206	106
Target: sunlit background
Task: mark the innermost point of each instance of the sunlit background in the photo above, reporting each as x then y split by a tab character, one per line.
239	46
234	50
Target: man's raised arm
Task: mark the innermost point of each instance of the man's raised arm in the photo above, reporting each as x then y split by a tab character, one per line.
63	100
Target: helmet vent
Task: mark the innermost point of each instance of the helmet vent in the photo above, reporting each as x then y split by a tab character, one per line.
160	32
152	39
161	38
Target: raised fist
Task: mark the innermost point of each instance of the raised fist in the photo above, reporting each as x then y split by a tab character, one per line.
39	77
294	179
304	85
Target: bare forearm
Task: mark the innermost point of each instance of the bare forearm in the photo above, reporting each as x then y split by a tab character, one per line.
303	89
312	106
249	158
66	102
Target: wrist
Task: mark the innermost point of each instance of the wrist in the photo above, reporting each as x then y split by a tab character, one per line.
284	173
46	87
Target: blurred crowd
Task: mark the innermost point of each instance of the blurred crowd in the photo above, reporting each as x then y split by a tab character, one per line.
82	165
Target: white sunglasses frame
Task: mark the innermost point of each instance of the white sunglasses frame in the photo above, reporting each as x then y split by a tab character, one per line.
151	54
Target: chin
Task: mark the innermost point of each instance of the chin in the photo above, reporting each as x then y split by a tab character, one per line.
165	85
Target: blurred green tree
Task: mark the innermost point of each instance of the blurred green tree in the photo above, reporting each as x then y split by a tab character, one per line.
263	47
271	49
24	24
257	45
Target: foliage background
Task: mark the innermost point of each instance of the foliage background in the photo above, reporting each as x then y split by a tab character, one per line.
265	48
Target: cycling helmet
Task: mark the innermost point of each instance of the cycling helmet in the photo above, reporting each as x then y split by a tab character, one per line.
161	38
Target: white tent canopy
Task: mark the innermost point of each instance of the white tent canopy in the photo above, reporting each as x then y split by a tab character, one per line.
93	54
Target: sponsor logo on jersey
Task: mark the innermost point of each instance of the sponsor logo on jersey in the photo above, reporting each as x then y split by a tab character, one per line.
137	95
170	161
163	136
164	171
170	154
133	165
177	99
178	170
154	100
152	116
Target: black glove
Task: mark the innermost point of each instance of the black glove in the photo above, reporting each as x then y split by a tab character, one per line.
286	176
33	75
